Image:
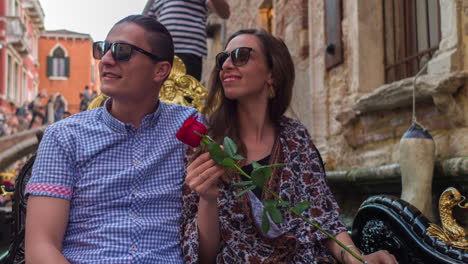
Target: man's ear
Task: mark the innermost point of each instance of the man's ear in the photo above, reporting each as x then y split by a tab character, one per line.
161	71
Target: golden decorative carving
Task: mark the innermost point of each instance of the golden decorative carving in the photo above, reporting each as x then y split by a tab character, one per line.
4	192
450	233
179	88
7	176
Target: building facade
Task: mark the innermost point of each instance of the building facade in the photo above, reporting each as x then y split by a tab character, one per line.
355	66
67	65
21	23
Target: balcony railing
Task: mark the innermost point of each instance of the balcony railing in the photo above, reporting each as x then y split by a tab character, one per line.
35	12
16	34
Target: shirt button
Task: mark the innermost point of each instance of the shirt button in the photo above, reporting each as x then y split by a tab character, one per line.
135	190
136	162
134	214
133	247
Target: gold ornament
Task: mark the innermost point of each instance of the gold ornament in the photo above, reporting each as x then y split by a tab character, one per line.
179	88
271	91
450	233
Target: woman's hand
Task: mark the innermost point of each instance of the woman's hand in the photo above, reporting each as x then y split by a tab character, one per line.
202	176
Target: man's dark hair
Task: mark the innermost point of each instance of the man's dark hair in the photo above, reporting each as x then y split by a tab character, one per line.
159	37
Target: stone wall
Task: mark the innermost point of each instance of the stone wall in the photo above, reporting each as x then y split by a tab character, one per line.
329	102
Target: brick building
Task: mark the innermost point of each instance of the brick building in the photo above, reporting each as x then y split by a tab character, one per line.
21	23
67	65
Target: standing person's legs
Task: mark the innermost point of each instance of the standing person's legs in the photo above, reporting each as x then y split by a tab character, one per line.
42	116
58	115
193	64
34	114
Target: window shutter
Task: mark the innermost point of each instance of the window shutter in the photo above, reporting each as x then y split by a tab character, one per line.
334	46
49	66
67	66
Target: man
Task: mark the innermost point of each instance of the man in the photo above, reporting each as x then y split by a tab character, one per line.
106	184
36	107
186	19
59	108
87	96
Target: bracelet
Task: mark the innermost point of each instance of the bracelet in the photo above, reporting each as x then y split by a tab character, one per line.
353	246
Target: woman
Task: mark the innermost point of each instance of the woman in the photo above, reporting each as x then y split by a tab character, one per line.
251	88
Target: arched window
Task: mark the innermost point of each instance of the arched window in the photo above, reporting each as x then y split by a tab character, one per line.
58	65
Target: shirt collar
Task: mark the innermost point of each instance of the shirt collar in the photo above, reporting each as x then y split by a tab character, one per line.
148	121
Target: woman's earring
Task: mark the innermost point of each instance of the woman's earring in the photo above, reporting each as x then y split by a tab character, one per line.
271	91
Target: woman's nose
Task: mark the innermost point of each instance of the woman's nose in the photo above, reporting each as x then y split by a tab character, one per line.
227	63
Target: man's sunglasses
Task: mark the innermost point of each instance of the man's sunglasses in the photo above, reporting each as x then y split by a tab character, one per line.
120	51
239	57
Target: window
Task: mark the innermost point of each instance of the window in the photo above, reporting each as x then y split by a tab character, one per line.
334	47
411	36
25	86
58	65
266	13
9	75
13	79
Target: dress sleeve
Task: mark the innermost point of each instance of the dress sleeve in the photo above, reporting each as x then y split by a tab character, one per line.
307	183
189	234
53	172
189	228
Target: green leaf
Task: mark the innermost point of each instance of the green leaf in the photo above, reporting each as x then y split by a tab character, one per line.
301	206
237	157
275	214
261	175
256	165
269	203
229	163
217	154
265	221
244	191
242	184
230	147
284	203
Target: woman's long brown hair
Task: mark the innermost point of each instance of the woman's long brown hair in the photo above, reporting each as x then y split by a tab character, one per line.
222	112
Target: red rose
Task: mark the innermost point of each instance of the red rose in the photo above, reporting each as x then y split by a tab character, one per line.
186	134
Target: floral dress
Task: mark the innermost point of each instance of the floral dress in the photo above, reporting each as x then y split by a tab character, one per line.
301	179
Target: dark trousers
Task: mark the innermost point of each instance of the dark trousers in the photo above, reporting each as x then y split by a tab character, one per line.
34	115
193	64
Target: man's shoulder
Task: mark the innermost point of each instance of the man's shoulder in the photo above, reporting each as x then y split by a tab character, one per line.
178	111
82	119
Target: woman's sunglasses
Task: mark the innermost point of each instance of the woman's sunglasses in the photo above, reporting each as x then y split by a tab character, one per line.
239	57
120	51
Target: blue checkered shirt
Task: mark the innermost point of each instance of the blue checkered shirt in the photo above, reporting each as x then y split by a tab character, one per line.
124	184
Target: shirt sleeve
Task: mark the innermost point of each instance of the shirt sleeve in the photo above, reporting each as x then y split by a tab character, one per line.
53	172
